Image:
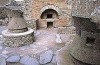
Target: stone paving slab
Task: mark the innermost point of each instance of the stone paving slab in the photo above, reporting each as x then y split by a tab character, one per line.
2	28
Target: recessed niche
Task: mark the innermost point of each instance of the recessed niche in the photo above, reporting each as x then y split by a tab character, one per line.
90	40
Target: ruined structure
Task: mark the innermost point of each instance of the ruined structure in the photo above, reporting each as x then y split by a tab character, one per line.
50	13
80	13
3	16
87	50
86	47
10	4
79	18
45	14
17	34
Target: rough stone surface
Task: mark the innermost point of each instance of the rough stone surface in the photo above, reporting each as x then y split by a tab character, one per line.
54	60
46	57
4	55
66	30
29	61
15	58
2	61
5	52
16	41
95	15
35	12
85	9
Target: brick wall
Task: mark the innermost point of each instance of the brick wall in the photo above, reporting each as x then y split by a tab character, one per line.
64	11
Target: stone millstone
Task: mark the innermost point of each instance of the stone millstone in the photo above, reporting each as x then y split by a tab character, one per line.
17	24
17	33
87	54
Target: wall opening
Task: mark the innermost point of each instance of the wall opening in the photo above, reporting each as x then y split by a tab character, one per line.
49	24
90	40
49	14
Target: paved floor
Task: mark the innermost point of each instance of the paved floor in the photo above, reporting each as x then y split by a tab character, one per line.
2	28
45	39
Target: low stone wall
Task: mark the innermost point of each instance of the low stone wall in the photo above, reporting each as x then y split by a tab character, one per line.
66	30
42	23
62	30
85	34
18	39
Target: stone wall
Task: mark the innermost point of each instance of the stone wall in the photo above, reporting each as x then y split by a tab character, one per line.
27	13
3	17
84	8
42	23
66	30
65	8
3	2
18	41
39	6
84	24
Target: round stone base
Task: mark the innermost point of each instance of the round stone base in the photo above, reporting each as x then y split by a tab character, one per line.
65	58
18	39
